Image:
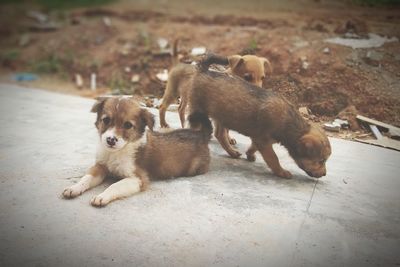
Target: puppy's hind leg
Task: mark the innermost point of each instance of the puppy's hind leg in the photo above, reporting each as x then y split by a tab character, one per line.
94	177
221	134
251	151
181	110
123	188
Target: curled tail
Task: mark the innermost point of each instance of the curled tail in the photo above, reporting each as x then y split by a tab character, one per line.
201	122
211	58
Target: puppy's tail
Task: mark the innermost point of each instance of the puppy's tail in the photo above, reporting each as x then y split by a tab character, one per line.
211	58
201	122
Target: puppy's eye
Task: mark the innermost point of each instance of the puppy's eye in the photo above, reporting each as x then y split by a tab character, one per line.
248	77
106	120
128	125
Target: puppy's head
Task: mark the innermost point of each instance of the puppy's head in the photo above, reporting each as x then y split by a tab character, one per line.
312	151
250	67
120	121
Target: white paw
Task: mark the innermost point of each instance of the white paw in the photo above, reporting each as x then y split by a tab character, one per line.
100	201
72	191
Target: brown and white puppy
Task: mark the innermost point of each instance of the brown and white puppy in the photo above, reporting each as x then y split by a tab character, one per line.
265	117
249	67
125	154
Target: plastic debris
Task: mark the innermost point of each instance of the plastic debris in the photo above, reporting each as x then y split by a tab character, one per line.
25	77
373	40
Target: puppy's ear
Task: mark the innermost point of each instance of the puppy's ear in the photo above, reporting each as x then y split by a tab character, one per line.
98	106
147	118
308	146
267	64
235	61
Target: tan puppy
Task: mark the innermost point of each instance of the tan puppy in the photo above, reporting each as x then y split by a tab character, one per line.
249	67
124	154
266	118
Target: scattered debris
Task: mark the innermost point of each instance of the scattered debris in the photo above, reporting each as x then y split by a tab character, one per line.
25	77
126	49
374	40
198	51
381	140
127	69
38	16
24	40
93	81
344	124
344	181
135	78
393	131
162	43
304	111
162	76
332	127
373	58
78	81
326	50
107	21
45	27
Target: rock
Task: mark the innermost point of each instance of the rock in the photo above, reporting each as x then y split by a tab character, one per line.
304	111
326	50
373	58
198	51
107	21
38	16
24	40
78	81
135	78
162	76
162	43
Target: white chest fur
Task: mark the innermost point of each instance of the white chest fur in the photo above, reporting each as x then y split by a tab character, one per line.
120	163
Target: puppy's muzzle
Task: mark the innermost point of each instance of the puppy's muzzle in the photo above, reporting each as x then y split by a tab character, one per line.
316	174
111	141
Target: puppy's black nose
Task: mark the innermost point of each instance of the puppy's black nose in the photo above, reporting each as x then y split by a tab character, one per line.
112	140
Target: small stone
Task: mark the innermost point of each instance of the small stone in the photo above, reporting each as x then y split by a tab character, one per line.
135	78
198	51
162	76
326	50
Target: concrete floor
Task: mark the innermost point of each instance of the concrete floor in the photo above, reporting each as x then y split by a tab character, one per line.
238	214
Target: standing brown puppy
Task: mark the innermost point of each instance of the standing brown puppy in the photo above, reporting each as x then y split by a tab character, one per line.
264	116
249	67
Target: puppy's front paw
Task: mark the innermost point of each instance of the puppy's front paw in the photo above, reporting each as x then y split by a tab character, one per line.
100	201
232	141
251	157
235	154
72	192
284	174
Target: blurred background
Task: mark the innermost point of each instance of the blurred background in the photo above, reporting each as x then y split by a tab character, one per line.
332	58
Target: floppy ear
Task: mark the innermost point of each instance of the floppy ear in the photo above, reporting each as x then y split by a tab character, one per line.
267	64
235	61
98	106
308	145
147	118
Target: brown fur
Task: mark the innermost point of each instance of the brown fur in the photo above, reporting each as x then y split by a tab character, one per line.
248	67
263	116
177	153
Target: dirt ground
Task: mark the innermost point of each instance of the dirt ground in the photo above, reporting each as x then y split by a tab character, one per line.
120	40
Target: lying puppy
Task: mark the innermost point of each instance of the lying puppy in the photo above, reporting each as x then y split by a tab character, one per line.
124	153
249	67
264	116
